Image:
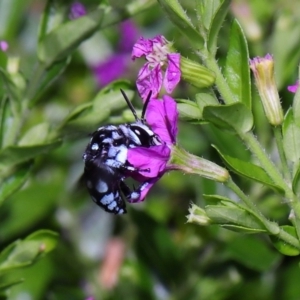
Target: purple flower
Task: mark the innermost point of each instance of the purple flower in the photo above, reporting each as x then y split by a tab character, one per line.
162	68
162	117
3	46
77	11
117	64
293	88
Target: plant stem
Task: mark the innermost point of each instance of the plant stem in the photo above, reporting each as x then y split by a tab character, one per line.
221	83
278	137
272	227
29	94
274	174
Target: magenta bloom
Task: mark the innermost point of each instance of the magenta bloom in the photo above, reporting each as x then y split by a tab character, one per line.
293	88
117	65
3	46
162	117
77	11
162	68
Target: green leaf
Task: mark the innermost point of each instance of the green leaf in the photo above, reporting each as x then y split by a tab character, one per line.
188	110
20	219
231	215
216	25
14	155
204	99
234	117
248	170
206	10
291	137
51	74
296	104
296	181
282	246
14	84
64	39
49	20
46	238
36	135
237	70
252	253
23	253
7	282
179	18
14	182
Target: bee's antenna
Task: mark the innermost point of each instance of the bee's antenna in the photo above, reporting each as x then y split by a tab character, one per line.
130	105
146	104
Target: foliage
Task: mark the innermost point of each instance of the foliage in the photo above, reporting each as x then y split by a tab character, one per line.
56	244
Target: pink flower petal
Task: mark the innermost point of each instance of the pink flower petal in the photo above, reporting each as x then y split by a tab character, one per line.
293	88
162	116
141	48
77	11
154	158
3	46
173	74
149	80
111	69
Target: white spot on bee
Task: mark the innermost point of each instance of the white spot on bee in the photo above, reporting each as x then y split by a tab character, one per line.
107	140
135	195
121	211
115	135
84	156
113	163
107	199
102	186
122	155
94	199
124	129
112	152
112	205
95	147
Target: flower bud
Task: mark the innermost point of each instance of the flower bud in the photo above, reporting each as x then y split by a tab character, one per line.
191	164
196	74
198	216
263	70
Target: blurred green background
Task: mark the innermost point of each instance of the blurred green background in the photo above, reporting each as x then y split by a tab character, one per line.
150	253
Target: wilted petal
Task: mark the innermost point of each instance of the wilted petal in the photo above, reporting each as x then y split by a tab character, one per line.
149	80
173	74
141	47
162	116
153	159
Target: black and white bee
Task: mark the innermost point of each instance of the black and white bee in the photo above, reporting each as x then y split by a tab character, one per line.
106	165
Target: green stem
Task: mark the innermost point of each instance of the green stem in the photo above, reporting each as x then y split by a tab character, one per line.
221	83
264	160
278	137
272	227
274	174
29	94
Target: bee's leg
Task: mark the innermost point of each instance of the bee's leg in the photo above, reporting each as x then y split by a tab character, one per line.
139	193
